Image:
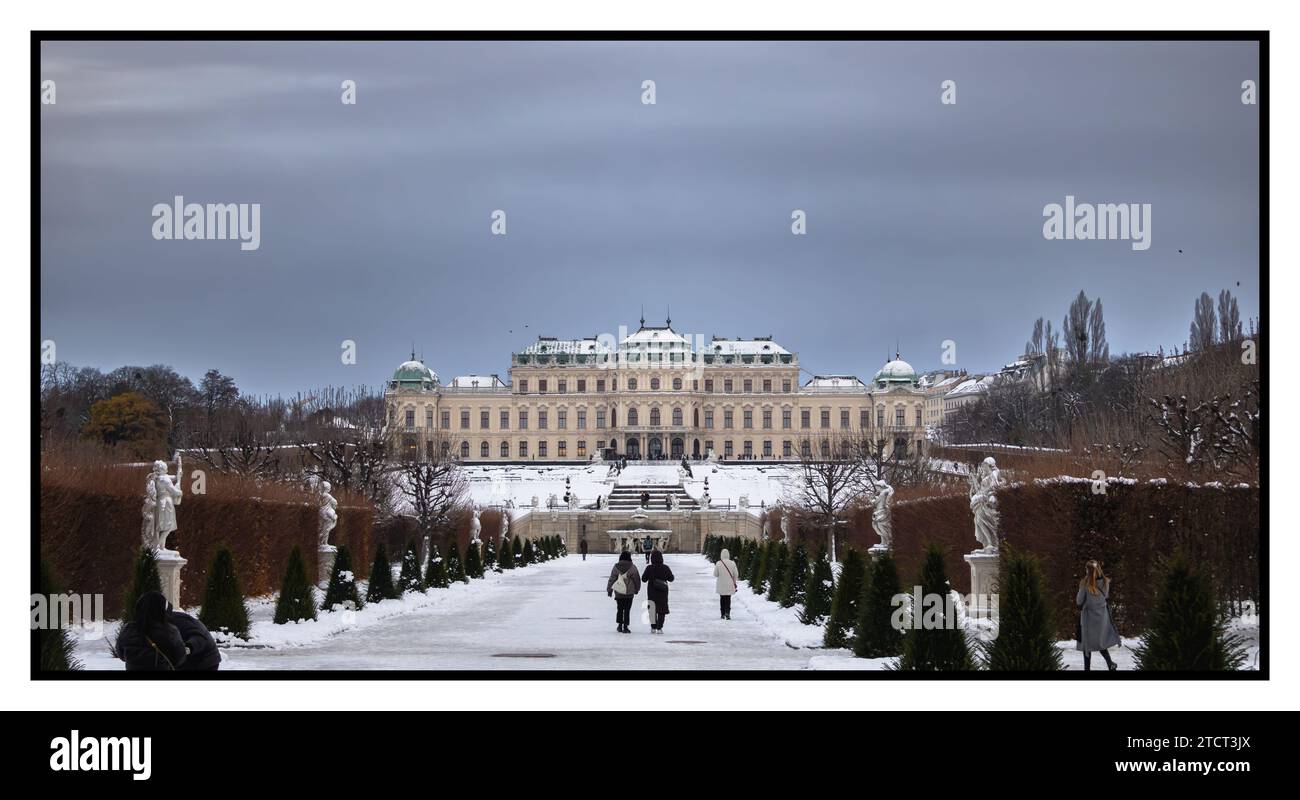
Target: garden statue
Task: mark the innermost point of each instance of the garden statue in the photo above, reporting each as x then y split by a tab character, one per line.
882	516
984	504
162	494
475	527
785	527
329	515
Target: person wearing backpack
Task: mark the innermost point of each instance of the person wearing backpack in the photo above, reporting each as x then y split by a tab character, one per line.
656	577
623	585
1096	630
727	581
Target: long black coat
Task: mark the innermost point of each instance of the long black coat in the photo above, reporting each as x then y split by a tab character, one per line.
657	570
140	656
203	655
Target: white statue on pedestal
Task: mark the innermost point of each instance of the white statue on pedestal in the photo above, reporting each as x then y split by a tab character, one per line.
475	527
767	529
785	527
573	501
329	515
984	503
882	516
705	500
505	525
162	493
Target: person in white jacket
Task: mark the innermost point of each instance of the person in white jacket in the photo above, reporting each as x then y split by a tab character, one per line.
728	580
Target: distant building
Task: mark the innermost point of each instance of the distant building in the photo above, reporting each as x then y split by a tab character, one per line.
654	395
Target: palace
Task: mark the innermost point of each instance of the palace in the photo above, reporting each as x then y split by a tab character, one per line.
655	395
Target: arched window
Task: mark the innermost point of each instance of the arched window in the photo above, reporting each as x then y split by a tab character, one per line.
631	416
654	384
505	449
826	449
677	416
631	384
677	384
446	449
805	448
464	449
654	416
483	451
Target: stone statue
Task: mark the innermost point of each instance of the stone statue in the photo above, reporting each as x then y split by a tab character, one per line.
705	500
475	526
984	503
162	493
882	517
672	502
785	527
767	529
573	501
329	515
534	501
505	525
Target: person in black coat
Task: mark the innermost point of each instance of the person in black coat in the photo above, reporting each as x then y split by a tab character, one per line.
656	578
582	545
203	655
149	642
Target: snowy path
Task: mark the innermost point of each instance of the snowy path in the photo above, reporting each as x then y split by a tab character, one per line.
552	616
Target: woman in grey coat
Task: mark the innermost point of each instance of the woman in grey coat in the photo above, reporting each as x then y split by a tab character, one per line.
1096	630
623	584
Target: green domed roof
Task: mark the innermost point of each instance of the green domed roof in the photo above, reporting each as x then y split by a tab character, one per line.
896	371
414	373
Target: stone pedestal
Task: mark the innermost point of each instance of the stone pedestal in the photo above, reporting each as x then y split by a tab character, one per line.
325	563
169	574
983	582
876	551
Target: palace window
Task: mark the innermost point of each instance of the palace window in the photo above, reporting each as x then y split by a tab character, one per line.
582	385
900	416
727	386
631	416
786	450
631	384
880	416
918	417
749	449
708	384
767	384
562	418
708	418
523	420
749	386
563	387
785	386
562	449
505	419
410	417
505	449
805	448
785	419
582	419
826	449
446	420
708	445
483	451
677	416
541	419
523	386
446	448
654	416
749	418
844	418
826	417
767	418
428	417
600	418
523	448
864	418
582	448
484	419
541	449
654	384
464	419
805	418
677	384
464	450
767	448
727	448
600	384
727	418
541	385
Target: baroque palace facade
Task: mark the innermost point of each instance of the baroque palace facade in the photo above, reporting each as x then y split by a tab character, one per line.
651	395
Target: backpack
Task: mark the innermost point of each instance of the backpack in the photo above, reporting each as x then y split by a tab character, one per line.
622	585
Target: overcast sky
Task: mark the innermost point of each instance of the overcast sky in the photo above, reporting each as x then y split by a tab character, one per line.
925	220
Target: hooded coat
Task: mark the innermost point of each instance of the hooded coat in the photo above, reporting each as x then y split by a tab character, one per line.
726	574
624	567
657	571
149	643
203	653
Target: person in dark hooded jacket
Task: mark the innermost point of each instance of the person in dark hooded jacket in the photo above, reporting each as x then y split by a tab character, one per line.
203	655
623	585
149	642
656	577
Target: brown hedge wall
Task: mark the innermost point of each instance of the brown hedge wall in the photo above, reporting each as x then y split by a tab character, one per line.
91	538
1130	529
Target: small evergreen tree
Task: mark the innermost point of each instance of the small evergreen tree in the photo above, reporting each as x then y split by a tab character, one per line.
223	603
529	554
57	645
381	577
435	574
455	569
144	579
1187	632
765	557
342	587
844	605
776	571
517	548
296	602
745	560
934	647
473	561
875	635
506	556
409	579
1026	637
489	555
821	588
794	584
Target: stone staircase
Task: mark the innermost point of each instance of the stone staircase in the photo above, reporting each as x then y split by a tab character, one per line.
627	497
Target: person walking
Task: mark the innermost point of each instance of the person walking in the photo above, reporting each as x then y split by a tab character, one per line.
582	546
149	643
726	574
656	577
202	653
1096	630
623	585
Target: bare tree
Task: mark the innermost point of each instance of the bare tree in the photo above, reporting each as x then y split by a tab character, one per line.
1229	318
341	439
1204	328
434	486
834	473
